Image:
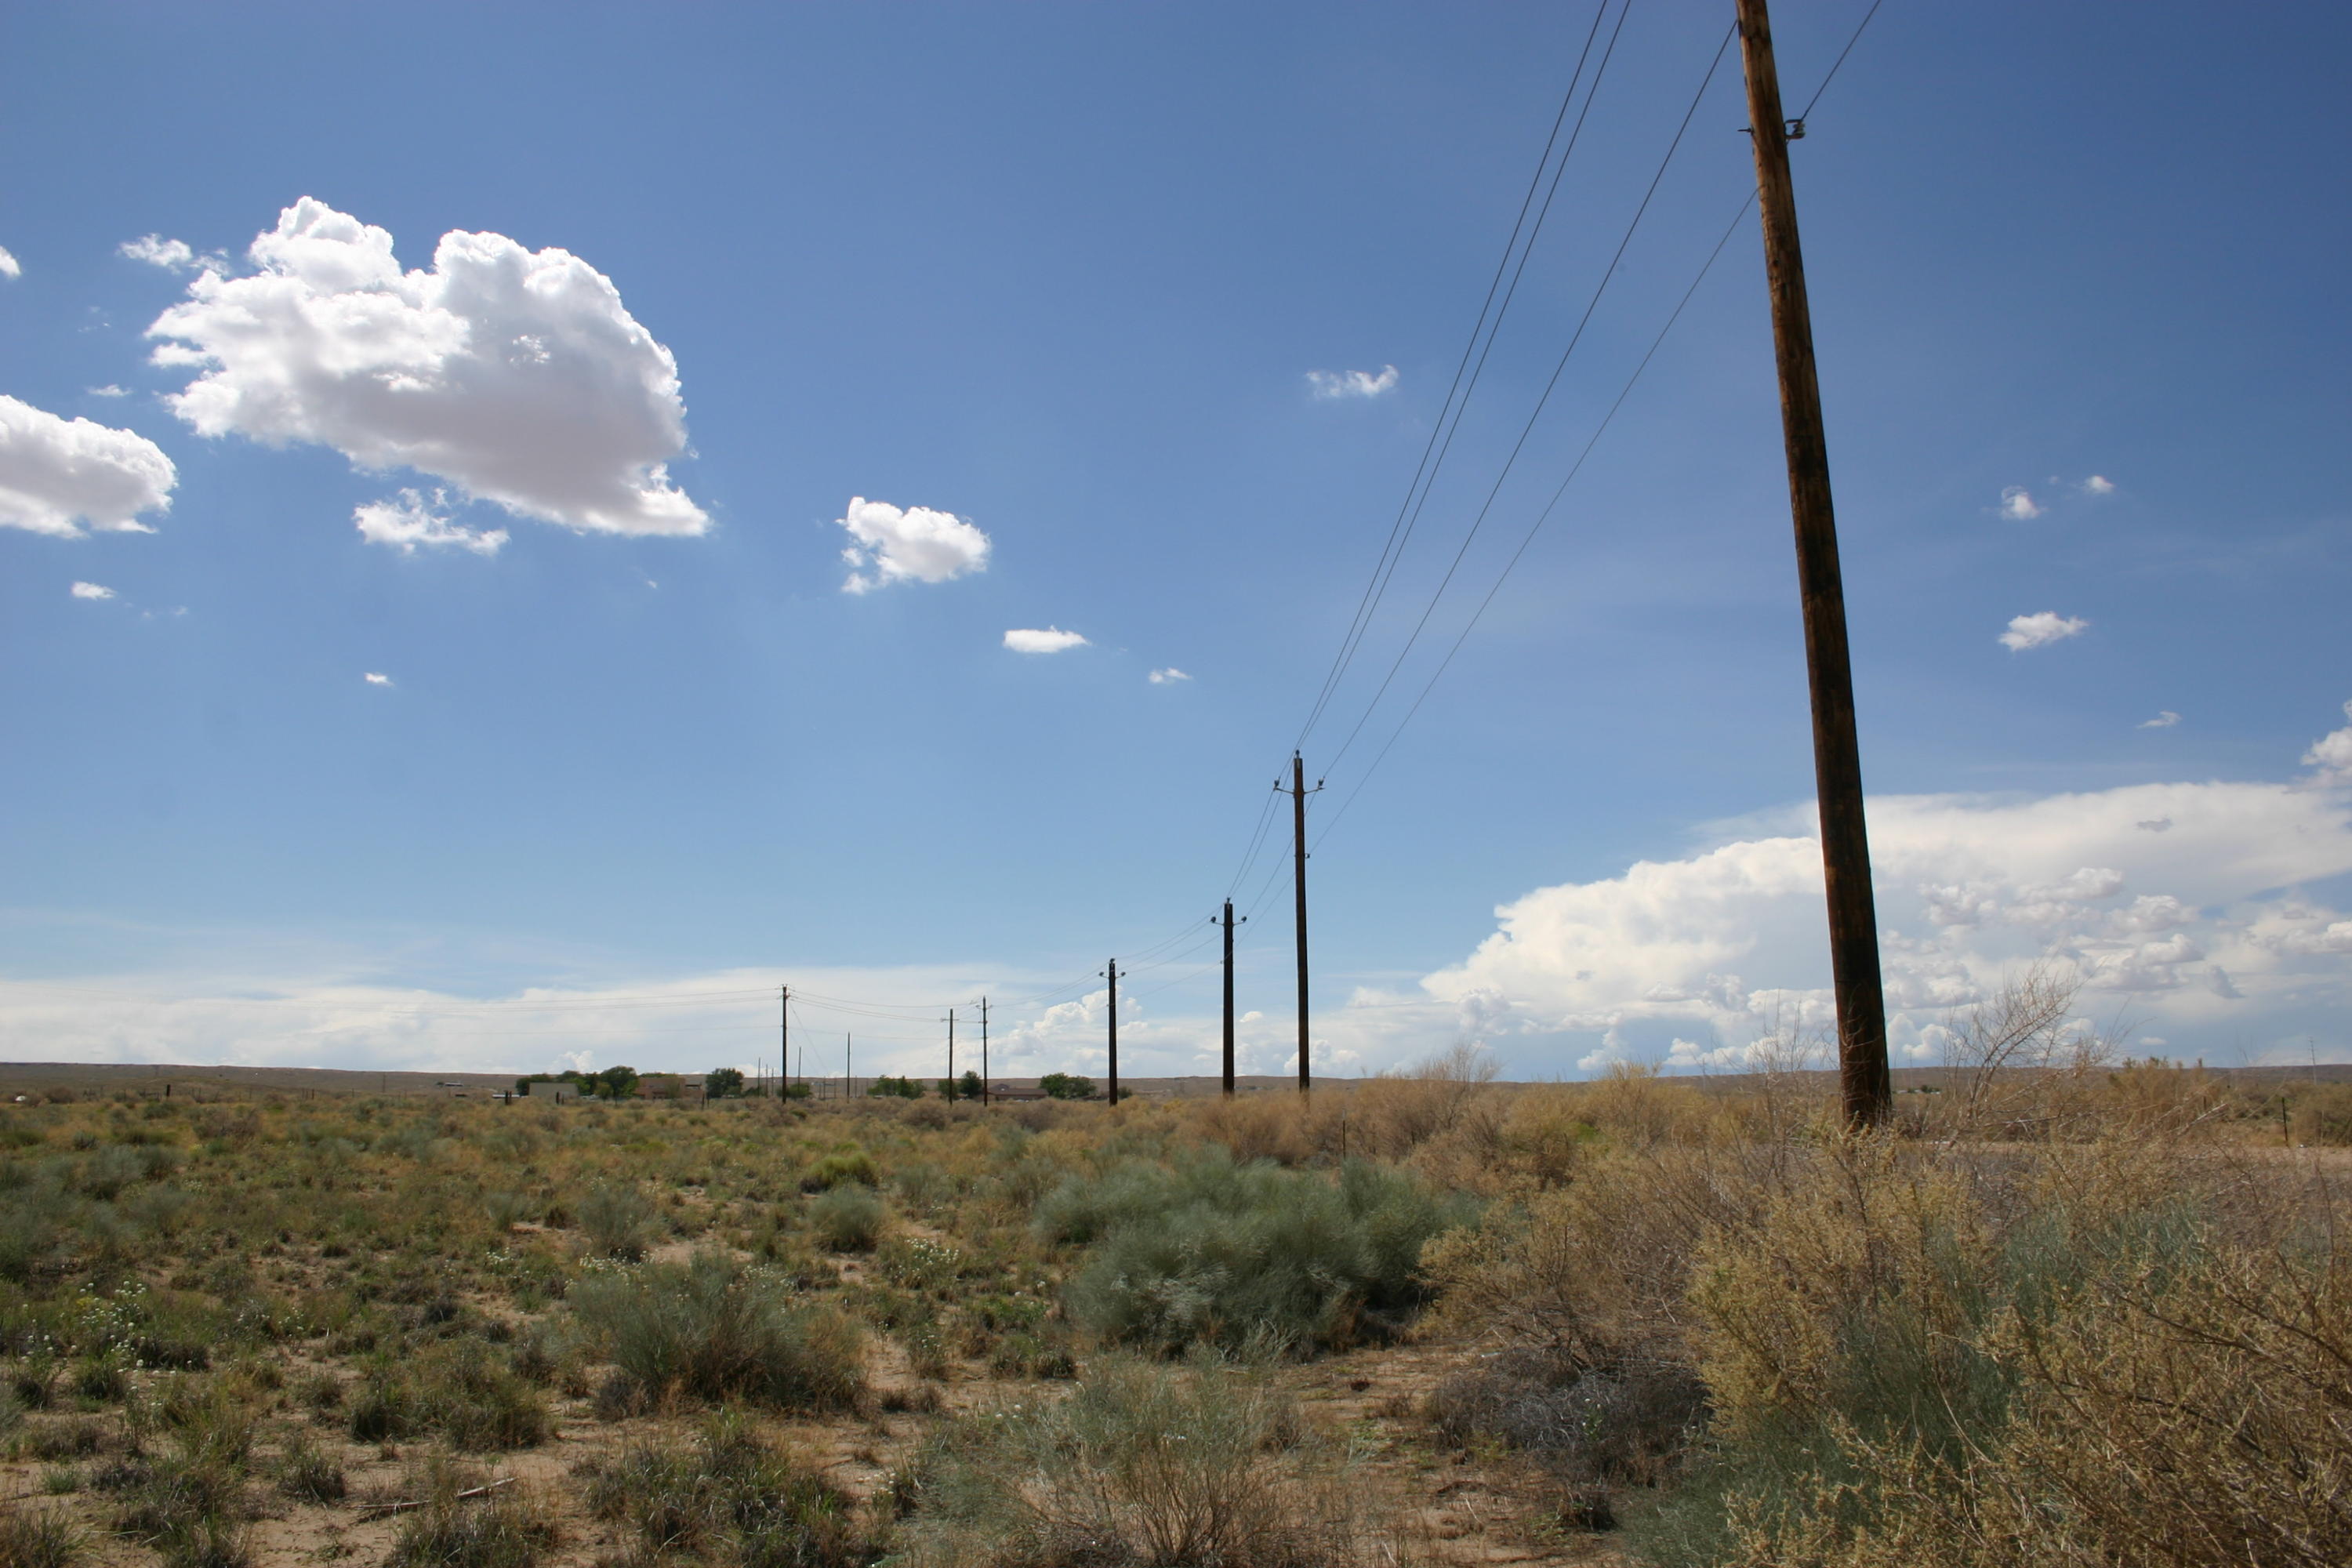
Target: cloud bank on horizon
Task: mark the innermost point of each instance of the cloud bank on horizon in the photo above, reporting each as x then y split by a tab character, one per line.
2185	907
2180	904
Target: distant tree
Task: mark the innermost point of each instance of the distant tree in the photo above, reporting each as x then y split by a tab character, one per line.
617	1083
1067	1086
947	1088
796	1091
969	1086
886	1086
724	1083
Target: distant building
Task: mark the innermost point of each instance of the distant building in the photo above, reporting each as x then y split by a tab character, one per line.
560	1092
1006	1092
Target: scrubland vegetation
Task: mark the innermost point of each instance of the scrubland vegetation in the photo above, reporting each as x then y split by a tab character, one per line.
2068	1312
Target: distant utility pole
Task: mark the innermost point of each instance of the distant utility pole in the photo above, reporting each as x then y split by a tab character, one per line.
1298	792
844	1065
784	1029
1111	970
983	1050
950	1056
1229	923
1837	754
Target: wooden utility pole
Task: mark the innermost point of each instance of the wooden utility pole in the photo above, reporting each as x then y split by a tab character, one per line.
1837	754
950	1056
783	1032
845	1066
983	1050
1298	792
1111	970
1229	923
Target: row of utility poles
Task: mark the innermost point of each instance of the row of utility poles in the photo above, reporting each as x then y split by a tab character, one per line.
1864	1081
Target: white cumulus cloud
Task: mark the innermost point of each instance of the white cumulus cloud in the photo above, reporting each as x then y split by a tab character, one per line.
376	678
2165	720
109	390
90	591
1352	382
1162	677
1724	950
2098	485
56	474
515	375
2039	630
8	267
156	251
409	521
1052	639
2332	753
908	544
2018	506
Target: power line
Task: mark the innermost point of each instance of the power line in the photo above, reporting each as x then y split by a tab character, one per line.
1624	392
1527	429
1866	15
1441	436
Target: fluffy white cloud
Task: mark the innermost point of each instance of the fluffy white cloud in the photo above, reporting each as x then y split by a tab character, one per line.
109	390
56	474
1708	959
408	521
2037	630
1052	639
375	678
90	591
156	251
1352	382
910	544
2098	485
515	375
2165	720
2018	506
1162	677
2332	753
8	267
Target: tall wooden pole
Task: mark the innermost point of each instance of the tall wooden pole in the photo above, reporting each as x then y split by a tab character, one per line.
1298	792
950	1094
1837	755
1228	923
983	1050
1112	970
784	1034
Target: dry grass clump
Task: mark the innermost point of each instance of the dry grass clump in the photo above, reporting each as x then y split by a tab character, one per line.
191	1512
460	1389
713	1329
2119	1352
730	1491
1205	1250
1592	1431
37	1537
848	1218
1140	1464
500	1528
617	1221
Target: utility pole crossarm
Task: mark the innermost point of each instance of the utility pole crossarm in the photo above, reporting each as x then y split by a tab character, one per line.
1837	753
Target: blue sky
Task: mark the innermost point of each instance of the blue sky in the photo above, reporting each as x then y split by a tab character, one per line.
1063	277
